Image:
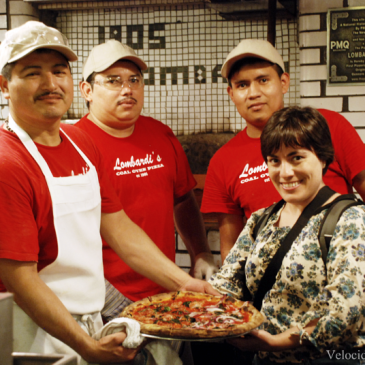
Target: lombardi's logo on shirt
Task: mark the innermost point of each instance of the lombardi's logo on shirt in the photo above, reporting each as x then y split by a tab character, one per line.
120	165
254	173
136	166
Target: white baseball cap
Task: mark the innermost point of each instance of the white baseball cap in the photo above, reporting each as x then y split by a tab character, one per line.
252	48
30	36
104	55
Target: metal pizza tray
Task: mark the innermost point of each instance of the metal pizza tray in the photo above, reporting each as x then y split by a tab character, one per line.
213	339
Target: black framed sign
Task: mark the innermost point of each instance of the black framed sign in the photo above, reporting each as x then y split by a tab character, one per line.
346	46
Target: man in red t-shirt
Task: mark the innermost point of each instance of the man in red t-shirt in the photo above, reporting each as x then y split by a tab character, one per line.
55	200
146	165
237	181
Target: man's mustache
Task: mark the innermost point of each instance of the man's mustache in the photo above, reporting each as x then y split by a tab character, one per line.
126	99
49	93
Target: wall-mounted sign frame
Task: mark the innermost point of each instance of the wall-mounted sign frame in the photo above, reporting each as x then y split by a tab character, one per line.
346	46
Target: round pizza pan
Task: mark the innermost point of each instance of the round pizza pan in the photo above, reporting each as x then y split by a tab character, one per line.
212	339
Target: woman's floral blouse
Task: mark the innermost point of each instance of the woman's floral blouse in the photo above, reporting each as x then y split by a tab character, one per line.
303	291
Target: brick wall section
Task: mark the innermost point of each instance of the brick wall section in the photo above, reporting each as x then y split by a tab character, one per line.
347	100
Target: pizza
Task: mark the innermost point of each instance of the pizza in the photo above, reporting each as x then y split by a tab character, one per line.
193	315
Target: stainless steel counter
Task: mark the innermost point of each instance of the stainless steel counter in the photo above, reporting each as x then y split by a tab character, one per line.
6	328
7	356
36	359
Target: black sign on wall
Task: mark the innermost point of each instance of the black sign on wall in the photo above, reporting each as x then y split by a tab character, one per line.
155	39
346	46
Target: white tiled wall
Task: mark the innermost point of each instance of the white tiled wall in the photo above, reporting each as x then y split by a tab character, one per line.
348	100
195	40
190	40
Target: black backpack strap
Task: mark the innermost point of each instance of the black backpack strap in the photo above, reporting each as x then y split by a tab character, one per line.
329	222
240	276
269	277
262	221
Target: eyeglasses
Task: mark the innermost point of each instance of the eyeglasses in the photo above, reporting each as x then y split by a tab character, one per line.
115	83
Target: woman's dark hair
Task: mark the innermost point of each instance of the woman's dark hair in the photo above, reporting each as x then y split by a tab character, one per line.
298	127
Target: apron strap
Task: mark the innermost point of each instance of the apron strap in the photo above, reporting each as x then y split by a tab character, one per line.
30	146
78	149
33	150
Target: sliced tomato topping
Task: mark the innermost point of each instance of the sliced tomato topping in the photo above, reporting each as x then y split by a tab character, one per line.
192	312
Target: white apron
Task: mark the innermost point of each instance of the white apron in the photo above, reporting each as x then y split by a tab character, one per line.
76	276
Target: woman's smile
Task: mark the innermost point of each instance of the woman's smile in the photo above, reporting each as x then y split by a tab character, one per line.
296	173
290	186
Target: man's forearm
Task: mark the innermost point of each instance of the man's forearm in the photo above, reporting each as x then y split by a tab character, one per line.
230	226
42	306
190	225
134	247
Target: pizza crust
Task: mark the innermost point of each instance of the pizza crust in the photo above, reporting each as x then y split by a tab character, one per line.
188	332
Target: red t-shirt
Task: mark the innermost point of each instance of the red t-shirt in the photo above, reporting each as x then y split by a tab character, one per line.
148	170
237	181
26	220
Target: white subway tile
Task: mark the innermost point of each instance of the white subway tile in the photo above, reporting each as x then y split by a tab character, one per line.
4	112
214	240
310	56
182	259
313	73
3	21
318	6
22	8
361	134
356	119
180	243
309	22
356	3
345	90
18	20
2	6
310	89
334	104
312	39
357	103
